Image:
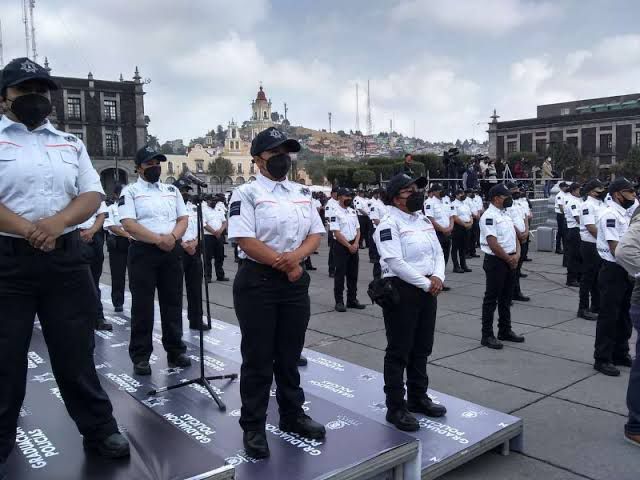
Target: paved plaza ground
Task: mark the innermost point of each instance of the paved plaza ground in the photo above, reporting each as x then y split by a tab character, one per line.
573	416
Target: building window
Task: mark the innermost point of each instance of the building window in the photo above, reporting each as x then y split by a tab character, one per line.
638	138
74	111
239	169
233	133
572	141
80	135
565	111
200	166
265	115
170	168
237	145
606	143
185	169
111	110
512	147
541	146
112	143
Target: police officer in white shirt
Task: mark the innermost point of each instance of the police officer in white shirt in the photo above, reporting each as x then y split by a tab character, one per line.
118	247
523	202
215	224
613	328
92	236
377	211
307	261
155	215
471	202
331	204
412	260
572	237
47	187
463	221
276	226
499	242
345	228
559	202
519	217
440	215
590	212
192	260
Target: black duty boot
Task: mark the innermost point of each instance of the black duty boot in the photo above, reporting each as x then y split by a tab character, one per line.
510	336
180	360
355	304
302	361
196	326
255	444
340	307
142	368
426	406
491	342
587	315
623	361
118	309
607	368
403	420
114	446
303	425
102	324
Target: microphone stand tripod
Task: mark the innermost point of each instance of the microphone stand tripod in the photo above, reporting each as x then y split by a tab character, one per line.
202	380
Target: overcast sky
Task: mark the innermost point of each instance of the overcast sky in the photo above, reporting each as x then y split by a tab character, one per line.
443	64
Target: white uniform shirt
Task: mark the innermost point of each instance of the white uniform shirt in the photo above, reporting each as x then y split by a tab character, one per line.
316	203
378	210
155	206
497	223
344	220
571	210
461	210
436	209
192	227
92	219
222	208
478	201
612	225
471	203
360	205
560	202
590	213
113	218
447	201
214	219
279	214
409	237
42	171
517	215
331	204
524	206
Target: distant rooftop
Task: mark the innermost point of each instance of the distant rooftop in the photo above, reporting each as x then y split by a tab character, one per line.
604	104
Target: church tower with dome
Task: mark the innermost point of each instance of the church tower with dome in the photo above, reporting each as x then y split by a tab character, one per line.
261	113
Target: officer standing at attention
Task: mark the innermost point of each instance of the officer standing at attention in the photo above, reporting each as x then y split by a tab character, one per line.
276	226
377	212
440	215
462	223
331	204
412	258
215	224
560	200
519	218
499	242
155	215
47	187
572	237
345	229
92	236
192	260
613	328
470	200
591	210
118	247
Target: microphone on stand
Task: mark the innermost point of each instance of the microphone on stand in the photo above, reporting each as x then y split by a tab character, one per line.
191	178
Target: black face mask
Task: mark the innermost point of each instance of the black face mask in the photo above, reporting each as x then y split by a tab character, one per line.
347	202
279	165
508	202
463	198
152	174
515	195
31	109
626	203
602	195
186	197
415	201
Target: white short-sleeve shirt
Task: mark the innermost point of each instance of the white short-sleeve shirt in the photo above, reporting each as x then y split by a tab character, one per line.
590	212
497	223
612	225
42	171
113	218
461	210
345	221
517	215
572	210
279	214
103	209
436	209
155	206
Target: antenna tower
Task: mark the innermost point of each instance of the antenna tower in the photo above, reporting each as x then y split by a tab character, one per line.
369	121
32	5
1	50
357	110
329	122
25	20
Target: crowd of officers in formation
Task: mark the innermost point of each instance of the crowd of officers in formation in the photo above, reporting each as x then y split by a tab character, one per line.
53	219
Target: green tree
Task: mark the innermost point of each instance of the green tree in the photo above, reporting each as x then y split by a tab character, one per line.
220	167
569	162
220	135
153	142
341	175
316	169
364	176
200	140
166	148
432	163
630	166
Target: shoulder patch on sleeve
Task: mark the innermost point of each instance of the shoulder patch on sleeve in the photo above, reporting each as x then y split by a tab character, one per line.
71	138
234	208
489	221
106	215
332	219
585	211
121	201
171	188
573	207
428	207
385	235
611	222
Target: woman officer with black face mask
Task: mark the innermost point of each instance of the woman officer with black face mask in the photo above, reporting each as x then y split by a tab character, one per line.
276	226
155	215
411	257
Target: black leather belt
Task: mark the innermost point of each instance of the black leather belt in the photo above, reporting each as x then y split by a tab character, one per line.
22	247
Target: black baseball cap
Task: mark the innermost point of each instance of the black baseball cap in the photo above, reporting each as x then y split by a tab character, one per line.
402	180
620	184
272	138
574	186
563	184
147	153
345	192
182	185
436	187
499	190
510	185
592	185
20	70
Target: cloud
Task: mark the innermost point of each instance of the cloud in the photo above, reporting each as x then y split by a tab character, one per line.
493	17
